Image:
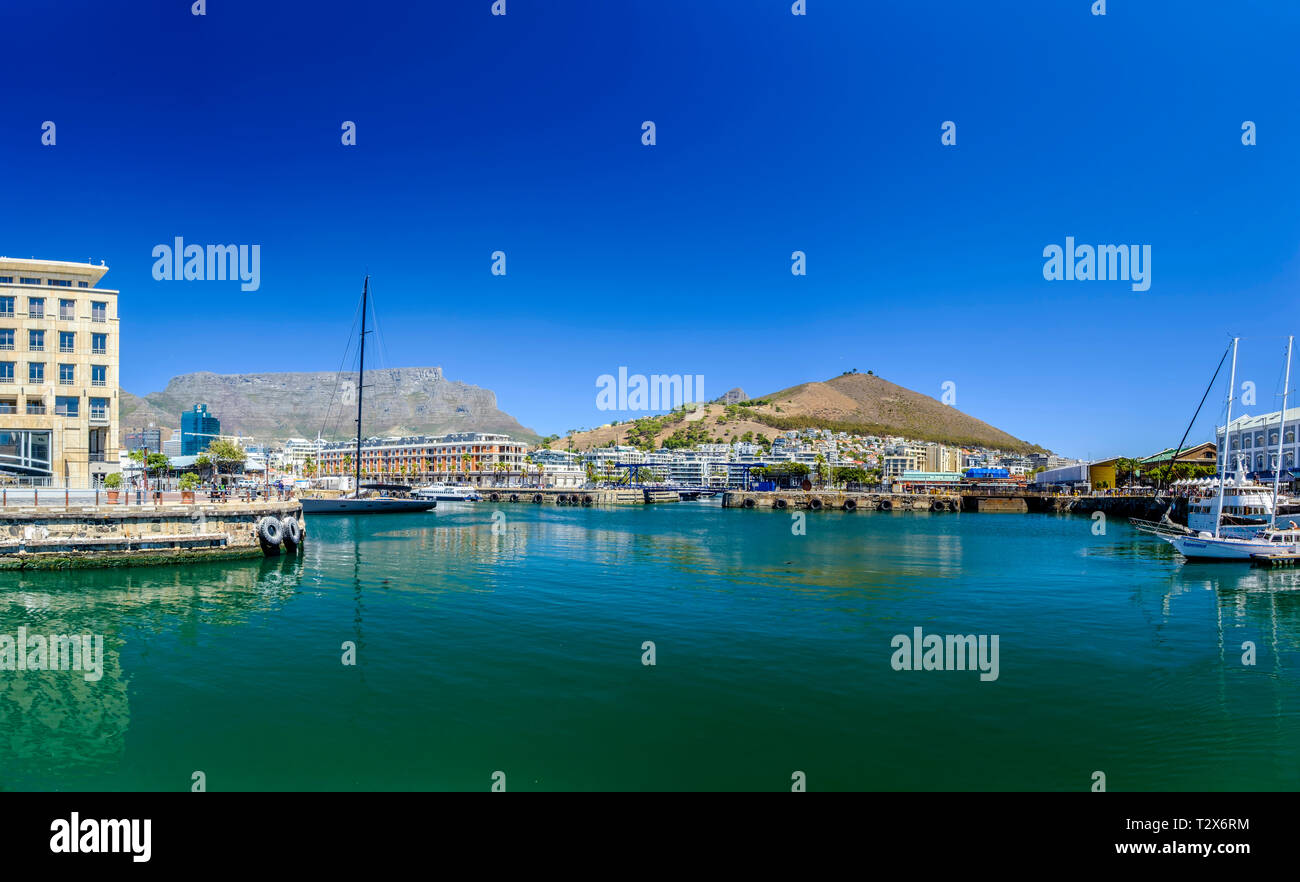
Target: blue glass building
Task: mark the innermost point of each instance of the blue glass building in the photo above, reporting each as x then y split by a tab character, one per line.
198	429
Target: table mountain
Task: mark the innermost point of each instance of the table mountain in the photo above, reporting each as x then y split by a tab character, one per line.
276	406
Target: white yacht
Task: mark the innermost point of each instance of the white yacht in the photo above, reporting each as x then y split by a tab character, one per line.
1205	546
446	493
1247	508
1210	541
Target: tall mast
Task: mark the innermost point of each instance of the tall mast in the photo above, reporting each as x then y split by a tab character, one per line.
1227	427
1281	431
361	375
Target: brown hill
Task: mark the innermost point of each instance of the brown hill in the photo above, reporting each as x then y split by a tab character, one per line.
862	404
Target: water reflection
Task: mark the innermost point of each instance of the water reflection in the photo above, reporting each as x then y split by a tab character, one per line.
56	723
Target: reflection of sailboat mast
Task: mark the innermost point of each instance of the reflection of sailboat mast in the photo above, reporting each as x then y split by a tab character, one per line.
356	580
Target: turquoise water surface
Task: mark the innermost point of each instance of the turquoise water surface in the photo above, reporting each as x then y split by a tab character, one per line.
515	645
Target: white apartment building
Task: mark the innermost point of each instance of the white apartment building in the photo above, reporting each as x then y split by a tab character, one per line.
58	374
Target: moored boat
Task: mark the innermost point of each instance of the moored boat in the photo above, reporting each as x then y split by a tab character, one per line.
359	502
1248	542
446	493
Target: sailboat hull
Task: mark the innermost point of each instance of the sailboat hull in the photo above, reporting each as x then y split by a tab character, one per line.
1197	548
381	505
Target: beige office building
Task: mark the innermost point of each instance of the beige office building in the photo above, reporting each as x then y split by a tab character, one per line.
58	374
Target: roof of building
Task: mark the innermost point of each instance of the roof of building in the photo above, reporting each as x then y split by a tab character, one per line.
33	265
1246	421
1207	450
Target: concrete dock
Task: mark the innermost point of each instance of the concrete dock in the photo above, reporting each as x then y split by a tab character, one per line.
840	500
593	496
120	535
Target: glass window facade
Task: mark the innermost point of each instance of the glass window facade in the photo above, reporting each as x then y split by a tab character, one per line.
26	452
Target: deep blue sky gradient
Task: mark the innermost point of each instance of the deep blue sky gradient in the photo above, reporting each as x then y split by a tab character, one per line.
776	133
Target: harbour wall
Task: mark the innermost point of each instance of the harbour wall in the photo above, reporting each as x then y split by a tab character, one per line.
838	500
593	496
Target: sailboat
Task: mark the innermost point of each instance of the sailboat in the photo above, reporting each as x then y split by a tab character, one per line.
1270	541
357	503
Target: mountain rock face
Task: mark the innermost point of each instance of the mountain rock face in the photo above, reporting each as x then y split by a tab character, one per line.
735	396
273	407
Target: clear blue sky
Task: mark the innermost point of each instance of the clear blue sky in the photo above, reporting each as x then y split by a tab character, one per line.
775	133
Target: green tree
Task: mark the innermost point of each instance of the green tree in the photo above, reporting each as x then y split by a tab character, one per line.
226	454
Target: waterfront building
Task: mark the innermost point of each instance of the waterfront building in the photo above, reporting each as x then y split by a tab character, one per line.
924	480
1202	455
1253	440
198	430
477	457
171	447
58	373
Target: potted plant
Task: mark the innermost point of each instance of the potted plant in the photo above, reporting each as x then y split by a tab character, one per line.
113	484
189	481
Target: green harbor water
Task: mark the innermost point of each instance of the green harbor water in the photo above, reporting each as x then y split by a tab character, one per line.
510	639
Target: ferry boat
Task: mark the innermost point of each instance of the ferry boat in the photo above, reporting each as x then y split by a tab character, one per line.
447	493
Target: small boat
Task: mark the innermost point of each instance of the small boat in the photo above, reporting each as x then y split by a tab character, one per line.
447	493
1270	542
379	501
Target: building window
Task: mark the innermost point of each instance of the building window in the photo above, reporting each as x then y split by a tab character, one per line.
98	375
36	406
67	341
8	405
6	307
36	372
6	371
67	374
6	280
83	284
36	341
99	408
30	281
58	283
25	451
36	307
99	312
67	310
1248	441
99	344
6	338
67	406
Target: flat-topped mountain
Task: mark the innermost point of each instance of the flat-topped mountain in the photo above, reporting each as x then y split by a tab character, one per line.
275	406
